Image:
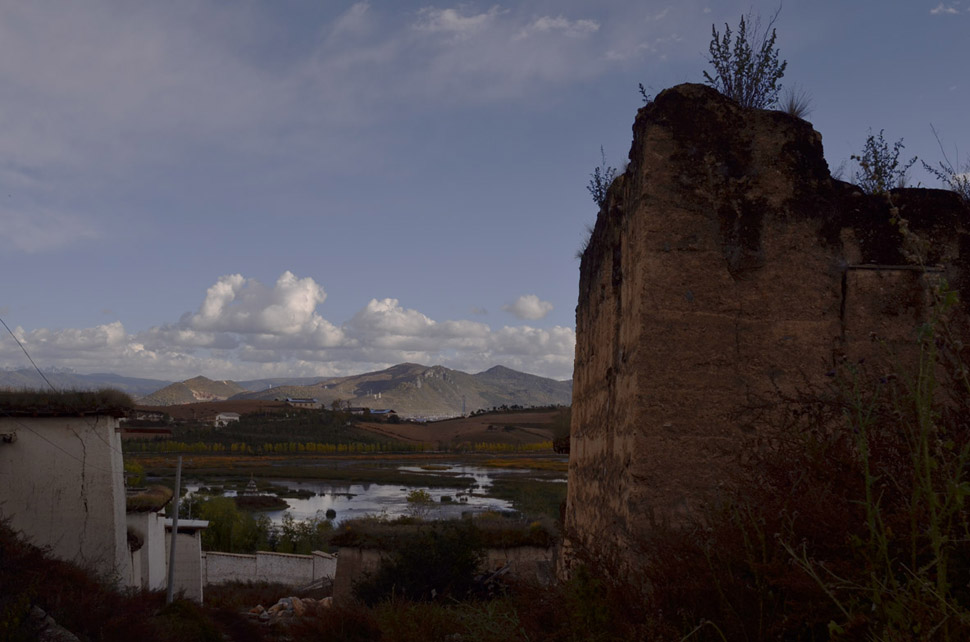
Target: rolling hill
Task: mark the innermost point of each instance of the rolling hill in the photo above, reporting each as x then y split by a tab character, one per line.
411	389
191	391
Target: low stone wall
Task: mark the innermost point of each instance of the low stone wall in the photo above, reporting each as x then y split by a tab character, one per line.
352	564
295	570
527	562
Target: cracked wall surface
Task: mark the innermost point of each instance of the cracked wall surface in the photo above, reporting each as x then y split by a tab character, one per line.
62	486
725	267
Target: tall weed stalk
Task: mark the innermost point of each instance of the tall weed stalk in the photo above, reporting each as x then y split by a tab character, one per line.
911	574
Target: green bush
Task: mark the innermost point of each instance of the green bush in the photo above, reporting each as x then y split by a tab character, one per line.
435	562
880	169
231	530
304	536
746	68
600	180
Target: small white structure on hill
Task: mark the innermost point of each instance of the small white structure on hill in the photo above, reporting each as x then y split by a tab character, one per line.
304	402
223	419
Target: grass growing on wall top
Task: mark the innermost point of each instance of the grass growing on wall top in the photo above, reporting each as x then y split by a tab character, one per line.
69	402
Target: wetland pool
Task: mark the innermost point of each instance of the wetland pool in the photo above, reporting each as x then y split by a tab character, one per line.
351	500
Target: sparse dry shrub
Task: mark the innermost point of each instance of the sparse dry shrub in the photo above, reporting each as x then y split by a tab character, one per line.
796	102
349	622
954	176
880	168
94	609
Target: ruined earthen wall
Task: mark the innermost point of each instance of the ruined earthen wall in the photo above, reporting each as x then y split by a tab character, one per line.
726	266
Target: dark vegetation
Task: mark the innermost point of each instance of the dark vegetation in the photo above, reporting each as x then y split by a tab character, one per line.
746	65
600	180
267	431
487	530
70	402
880	168
88	607
426	563
954	176
235	530
531	497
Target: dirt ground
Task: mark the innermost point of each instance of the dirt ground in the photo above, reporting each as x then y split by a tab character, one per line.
512	428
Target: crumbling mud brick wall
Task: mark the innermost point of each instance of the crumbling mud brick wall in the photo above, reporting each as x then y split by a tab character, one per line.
726	266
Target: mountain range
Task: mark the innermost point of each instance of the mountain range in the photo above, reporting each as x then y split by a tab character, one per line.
29	379
412	390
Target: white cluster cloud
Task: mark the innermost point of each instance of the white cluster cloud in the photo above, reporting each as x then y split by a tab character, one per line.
246	330
530	307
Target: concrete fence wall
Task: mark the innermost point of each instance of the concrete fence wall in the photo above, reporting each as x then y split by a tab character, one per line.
295	570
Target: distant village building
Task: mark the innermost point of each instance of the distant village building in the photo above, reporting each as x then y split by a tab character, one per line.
149	415
223	419
301	402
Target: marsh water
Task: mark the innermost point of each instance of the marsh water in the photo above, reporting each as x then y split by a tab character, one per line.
352	500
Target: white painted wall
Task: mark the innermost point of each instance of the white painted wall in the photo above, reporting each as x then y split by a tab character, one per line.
188	557
324	565
149	563
228	567
295	570
62	486
288	569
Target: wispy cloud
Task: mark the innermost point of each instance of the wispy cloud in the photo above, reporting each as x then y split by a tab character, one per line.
569	28
142	88
453	22
37	229
942	8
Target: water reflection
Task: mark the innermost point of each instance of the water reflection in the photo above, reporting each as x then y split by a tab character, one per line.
359	500
350	501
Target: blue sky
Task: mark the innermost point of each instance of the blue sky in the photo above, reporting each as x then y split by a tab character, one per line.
256	189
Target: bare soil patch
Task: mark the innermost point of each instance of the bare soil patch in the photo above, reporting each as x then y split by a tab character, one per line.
510	428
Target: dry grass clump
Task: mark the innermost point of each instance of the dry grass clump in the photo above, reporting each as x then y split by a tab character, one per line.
493	530
90	607
152	498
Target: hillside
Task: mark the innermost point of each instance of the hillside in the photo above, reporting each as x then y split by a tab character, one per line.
525	427
191	391
415	390
411	389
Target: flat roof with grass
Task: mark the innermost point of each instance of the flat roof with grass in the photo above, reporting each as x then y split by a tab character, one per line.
68	403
